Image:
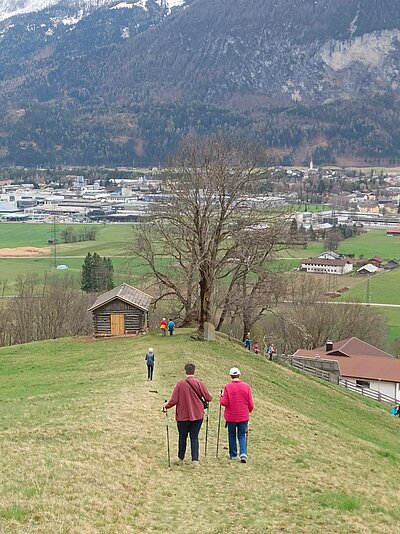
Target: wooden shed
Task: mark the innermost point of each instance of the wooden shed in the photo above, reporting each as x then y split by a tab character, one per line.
122	310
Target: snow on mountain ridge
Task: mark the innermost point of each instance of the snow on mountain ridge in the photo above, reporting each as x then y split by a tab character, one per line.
11	8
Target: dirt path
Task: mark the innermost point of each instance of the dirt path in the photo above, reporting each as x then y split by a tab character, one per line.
23	252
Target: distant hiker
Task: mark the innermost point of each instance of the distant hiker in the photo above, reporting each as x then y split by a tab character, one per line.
171	327
247	342
256	348
238	402
163	327
189	397
396	410
150	363
270	351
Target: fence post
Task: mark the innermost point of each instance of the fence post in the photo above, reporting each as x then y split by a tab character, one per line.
362	391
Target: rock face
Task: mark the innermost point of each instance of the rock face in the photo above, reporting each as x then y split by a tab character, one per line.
279	52
303	74
232	51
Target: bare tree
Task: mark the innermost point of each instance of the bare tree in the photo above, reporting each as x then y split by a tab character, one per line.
46	309
256	283
195	235
307	321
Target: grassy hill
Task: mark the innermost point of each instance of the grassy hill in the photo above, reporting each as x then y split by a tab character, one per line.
82	440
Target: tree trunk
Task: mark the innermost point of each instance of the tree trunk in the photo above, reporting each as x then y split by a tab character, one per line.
205	302
191	317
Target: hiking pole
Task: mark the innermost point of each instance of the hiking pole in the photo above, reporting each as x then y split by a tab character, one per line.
219	426
166	424
205	444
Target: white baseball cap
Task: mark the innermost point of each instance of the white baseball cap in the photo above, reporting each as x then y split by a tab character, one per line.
234	371
150	349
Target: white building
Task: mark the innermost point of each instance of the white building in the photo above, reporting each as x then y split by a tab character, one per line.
326	266
361	364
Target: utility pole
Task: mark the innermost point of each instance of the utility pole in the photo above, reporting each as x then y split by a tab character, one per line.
368	294
55	241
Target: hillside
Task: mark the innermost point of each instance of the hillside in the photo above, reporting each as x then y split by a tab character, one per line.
111	82
82	437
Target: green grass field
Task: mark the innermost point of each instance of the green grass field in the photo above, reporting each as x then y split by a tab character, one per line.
372	243
83	446
111	239
392	316
384	287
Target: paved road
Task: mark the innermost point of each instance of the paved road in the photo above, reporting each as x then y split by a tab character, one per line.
344	302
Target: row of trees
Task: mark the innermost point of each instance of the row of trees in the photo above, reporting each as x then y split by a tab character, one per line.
44	308
68	235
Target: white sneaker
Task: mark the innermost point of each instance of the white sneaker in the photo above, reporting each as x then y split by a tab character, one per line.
195	464
178	461
243	458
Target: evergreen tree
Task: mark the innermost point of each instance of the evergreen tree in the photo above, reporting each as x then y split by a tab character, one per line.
87	274
110	274
97	274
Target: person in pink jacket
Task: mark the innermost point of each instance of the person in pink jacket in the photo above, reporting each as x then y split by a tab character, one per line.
238	403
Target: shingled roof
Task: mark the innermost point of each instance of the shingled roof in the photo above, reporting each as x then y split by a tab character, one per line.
126	293
358	359
350	347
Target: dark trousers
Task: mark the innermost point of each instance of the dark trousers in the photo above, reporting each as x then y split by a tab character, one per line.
150	369
192	428
170	332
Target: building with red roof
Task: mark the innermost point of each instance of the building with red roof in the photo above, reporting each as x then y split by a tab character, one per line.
361	364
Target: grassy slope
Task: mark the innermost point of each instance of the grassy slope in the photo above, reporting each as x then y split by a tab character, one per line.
82	440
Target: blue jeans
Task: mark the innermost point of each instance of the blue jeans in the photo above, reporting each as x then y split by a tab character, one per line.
238	429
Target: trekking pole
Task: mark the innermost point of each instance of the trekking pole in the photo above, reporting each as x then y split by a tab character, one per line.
219	427
166	423
205	444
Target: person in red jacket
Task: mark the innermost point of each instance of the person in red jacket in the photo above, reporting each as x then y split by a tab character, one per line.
238	402
163	327
188	397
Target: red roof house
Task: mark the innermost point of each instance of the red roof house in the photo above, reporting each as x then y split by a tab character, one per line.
361	363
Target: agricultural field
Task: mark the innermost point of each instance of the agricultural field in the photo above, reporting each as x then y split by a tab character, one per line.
384	287
36	255
83	441
392	316
111	239
372	243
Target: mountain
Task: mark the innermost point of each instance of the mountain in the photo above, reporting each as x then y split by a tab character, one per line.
128	79
11	8
276	52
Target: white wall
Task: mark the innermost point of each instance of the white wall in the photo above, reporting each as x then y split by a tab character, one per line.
392	389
